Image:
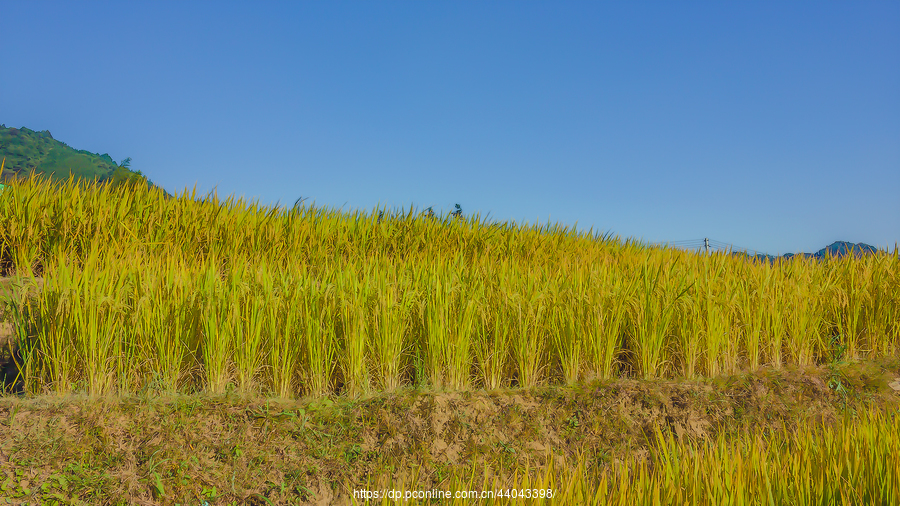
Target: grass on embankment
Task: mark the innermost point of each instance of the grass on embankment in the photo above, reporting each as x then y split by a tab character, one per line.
765	430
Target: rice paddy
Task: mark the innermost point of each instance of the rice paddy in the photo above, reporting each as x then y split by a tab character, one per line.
201	296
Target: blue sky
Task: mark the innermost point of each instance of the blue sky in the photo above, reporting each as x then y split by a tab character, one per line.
772	126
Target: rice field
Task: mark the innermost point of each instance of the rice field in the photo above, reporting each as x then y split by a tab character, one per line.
198	294
120	290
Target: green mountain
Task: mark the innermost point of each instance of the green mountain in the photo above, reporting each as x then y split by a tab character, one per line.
28	151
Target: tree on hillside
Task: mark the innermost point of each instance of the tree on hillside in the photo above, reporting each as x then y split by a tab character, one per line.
122	174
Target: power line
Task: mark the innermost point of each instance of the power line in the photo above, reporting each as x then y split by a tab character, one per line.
706	245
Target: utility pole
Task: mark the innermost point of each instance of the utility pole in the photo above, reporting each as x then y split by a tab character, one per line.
706	244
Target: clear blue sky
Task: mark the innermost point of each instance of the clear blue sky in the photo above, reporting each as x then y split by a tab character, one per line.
773	126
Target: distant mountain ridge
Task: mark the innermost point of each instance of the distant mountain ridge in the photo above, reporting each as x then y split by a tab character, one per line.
840	249
27	151
836	249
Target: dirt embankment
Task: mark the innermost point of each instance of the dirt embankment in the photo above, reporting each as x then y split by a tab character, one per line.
155	449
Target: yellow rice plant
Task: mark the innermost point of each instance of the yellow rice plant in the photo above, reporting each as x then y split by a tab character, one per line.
79	323
197	292
252	292
884	330
527	311
354	330
24	226
651	313
852	463
392	302
217	331
849	303
319	310
734	338
775	319
804	308
753	286
283	353
689	340
52	361
493	337
470	291
714	312
566	324
856	462
98	314
877	290
436	308
167	315
605	304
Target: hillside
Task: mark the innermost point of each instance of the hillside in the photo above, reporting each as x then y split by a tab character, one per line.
27	151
